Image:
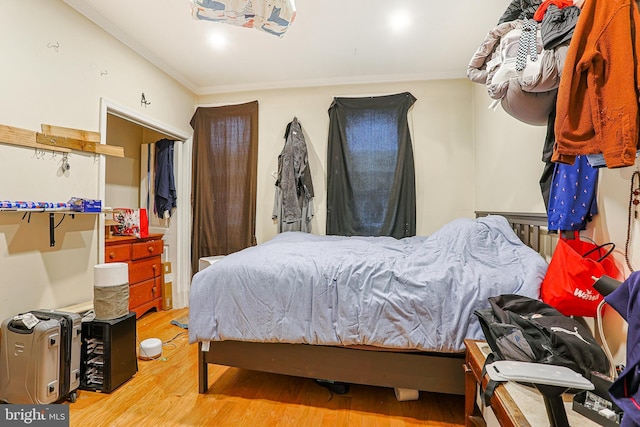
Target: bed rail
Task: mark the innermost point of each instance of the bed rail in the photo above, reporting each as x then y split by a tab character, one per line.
528	226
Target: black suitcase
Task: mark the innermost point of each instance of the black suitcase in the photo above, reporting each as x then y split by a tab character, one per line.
40	365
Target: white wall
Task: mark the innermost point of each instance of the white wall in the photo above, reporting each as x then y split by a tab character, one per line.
441	124
62	86
508	161
122	187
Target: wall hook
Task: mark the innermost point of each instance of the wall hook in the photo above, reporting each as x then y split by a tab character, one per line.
143	101
55	46
65	163
104	72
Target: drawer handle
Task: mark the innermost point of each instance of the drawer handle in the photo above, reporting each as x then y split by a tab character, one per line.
112	255
150	249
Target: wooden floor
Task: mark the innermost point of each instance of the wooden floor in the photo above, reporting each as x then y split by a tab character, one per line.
164	392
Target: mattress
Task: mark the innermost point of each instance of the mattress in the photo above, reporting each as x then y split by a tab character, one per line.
417	293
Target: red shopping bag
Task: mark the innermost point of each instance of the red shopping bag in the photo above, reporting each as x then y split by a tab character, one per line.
568	284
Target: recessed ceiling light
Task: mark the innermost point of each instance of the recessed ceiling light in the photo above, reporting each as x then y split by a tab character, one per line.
218	40
399	21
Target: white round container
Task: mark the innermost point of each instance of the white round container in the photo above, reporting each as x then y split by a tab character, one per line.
110	274
151	348
111	290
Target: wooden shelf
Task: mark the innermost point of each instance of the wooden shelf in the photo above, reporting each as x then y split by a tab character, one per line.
60	139
51	212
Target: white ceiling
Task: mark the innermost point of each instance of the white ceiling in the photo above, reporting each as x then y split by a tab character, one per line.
329	42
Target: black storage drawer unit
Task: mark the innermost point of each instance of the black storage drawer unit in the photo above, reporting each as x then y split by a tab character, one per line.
108	353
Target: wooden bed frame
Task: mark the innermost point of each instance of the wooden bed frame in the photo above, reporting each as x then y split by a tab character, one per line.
434	372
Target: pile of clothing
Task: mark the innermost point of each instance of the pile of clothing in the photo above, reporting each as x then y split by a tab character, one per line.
522	58
572	66
592	107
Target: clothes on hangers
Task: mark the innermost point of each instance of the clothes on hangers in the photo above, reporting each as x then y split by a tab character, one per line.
293	201
558	25
520	9
165	187
597	106
542	9
572	196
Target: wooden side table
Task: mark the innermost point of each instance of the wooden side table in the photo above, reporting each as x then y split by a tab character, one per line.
502	404
512	404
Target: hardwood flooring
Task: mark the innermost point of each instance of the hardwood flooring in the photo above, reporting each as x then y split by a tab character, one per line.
164	392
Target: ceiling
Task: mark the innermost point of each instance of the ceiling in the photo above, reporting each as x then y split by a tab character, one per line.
329	42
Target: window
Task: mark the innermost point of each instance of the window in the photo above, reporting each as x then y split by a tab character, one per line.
225	155
371	178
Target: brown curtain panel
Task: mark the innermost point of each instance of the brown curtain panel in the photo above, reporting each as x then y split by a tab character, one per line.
225	164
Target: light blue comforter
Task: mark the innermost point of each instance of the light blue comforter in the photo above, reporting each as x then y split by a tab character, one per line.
415	293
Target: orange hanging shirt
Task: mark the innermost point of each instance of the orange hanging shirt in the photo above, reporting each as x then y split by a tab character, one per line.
597	106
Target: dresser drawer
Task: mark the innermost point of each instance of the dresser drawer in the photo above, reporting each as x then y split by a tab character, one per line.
144	269
117	253
146	249
144	292
144	260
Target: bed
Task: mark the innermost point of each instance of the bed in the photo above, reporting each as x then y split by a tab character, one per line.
363	310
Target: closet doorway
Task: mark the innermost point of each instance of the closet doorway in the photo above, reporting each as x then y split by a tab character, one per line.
128	183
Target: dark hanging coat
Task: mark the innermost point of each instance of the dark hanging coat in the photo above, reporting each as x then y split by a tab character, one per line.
165	187
293	204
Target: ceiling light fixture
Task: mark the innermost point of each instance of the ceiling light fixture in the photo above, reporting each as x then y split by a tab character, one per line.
273	17
399	21
218	40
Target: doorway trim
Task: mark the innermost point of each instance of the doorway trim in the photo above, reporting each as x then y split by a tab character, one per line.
183	212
